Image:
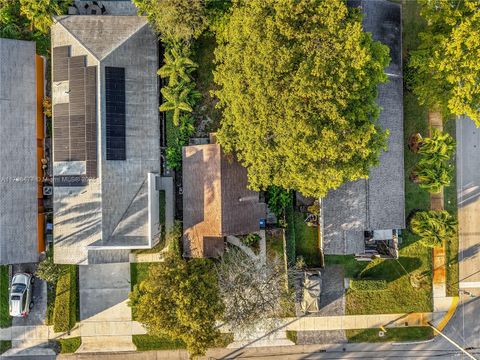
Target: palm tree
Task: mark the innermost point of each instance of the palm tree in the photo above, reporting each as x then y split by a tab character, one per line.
434	227
433	176
439	147
176	100
177	67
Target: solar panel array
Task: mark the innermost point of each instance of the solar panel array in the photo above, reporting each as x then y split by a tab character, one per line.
115	113
74	124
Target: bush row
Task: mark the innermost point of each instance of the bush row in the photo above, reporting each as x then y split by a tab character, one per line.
65	310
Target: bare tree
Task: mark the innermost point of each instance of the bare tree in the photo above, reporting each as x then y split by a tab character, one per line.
252	292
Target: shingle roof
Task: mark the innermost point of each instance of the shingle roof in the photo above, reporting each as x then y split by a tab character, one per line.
216	201
379	202
18	153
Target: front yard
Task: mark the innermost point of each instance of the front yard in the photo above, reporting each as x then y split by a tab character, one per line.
5	319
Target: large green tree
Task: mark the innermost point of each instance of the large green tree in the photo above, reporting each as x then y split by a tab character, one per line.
447	62
298	81
180	299
177	20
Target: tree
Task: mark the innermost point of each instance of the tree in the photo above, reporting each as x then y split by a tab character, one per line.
176	100
447	62
298	81
180	299
439	147
40	12
175	20
434	176
251	291
177	67
434	227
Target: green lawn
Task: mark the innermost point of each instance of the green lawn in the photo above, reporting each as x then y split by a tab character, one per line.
149	342
5	345
450	193
306	241
408	281
392	334
5	319
69	345
204	49
138	272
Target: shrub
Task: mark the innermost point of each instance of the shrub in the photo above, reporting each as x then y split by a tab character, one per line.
49	271
251	239
434	227
434	176
278	199
65	310
69	345
368	284
439	147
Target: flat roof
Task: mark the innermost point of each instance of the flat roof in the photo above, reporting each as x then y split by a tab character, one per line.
18	154
378	202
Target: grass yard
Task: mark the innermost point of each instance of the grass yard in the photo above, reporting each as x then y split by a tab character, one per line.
393	334
138	272
206	115
450	193
5	345
306	241
5	319
408	287
150	342
69	345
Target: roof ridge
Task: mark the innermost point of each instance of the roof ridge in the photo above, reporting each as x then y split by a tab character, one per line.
123	41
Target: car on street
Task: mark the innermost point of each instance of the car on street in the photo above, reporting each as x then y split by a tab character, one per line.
21	289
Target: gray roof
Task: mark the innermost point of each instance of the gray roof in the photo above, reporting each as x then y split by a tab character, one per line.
379	202
18	154
111	211
101	34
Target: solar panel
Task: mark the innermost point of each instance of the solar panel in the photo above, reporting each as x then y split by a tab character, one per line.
60	63
90	120
115	113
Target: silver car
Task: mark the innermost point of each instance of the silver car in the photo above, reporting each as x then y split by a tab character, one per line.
21	294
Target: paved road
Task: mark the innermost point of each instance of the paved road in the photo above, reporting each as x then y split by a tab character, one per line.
468	185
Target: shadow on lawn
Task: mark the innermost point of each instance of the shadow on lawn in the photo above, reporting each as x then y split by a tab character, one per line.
391	269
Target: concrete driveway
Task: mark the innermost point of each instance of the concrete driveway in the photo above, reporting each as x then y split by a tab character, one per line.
39	310
468	187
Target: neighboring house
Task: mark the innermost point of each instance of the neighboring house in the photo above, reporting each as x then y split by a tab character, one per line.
102	7
216	201
365	216
106	138
21	140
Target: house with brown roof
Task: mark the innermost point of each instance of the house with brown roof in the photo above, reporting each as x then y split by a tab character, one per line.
216	201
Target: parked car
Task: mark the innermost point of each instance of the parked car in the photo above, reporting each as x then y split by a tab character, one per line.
21	294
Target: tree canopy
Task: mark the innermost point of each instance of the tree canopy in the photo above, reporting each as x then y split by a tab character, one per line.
298	81
447	62
177	20
434	227
181	300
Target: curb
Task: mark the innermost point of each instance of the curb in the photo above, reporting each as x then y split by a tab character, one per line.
448	315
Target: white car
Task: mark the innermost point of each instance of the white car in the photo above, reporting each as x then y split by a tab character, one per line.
21	294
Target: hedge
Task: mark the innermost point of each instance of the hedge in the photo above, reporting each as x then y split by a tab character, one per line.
290	236
69	345
65	310
368	284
